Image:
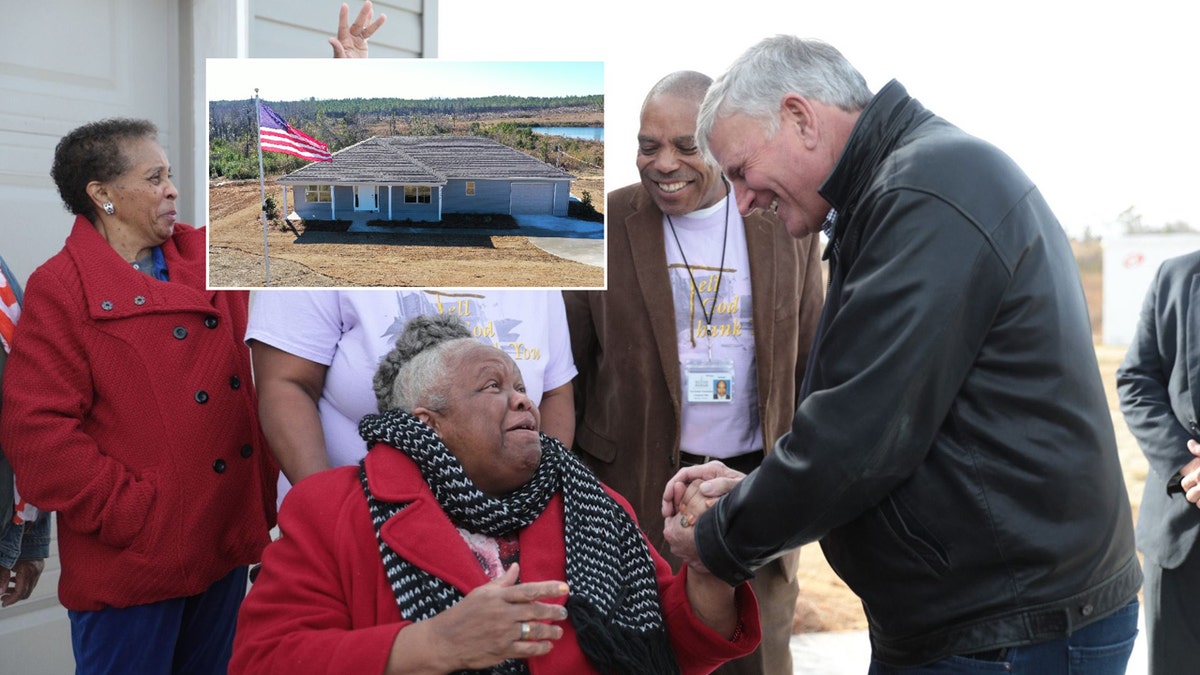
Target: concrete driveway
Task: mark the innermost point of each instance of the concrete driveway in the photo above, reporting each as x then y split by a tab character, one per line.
569	238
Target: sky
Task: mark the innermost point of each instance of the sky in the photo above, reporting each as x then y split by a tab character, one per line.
295	79
1097	101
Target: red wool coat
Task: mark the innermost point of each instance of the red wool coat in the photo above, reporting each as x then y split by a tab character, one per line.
322	603
129	409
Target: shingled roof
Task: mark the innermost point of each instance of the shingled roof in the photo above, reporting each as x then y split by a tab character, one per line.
424	160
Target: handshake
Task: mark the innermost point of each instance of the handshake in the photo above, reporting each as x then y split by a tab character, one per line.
689	494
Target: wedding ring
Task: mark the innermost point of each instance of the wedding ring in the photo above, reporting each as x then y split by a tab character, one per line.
525	629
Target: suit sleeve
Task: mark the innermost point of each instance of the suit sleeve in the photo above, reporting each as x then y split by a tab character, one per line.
583	342
1142	383
812	299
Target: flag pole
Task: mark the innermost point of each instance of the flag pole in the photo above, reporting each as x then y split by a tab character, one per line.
262	182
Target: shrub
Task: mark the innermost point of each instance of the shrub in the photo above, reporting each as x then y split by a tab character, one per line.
271	208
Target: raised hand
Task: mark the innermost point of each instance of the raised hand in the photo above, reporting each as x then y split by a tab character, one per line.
351	40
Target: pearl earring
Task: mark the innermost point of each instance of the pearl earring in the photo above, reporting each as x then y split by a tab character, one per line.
108	208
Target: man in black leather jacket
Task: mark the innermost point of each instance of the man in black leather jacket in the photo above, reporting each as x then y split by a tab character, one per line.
953	450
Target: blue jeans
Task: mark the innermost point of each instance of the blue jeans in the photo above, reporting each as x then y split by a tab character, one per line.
192	635
29	541
1100	648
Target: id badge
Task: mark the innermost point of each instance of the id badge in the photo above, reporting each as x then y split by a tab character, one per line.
709	381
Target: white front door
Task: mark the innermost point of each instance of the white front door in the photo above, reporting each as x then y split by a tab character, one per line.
364	198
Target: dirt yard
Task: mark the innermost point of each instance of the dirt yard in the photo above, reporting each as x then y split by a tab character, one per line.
826	604
235	248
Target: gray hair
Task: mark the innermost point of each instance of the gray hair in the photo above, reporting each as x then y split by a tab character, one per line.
759	79
413	373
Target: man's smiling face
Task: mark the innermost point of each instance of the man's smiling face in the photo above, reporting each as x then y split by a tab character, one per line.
673	169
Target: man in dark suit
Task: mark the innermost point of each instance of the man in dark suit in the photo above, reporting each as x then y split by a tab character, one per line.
1159	385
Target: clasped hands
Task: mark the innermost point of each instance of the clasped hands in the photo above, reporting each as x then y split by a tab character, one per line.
691	492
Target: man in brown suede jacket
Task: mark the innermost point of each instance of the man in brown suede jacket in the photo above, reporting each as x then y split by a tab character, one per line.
696	295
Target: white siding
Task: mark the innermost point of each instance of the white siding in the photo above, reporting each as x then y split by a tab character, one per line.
69	62
46	90
300	29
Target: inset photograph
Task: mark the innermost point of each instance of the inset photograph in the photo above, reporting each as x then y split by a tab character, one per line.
402	173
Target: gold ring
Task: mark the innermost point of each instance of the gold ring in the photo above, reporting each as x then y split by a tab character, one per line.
525	630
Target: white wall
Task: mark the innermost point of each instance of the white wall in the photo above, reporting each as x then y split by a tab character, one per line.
143	58
1130	263
287	28
69	62
49	85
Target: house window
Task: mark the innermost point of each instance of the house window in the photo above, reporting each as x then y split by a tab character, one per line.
318	193
417	194
470	187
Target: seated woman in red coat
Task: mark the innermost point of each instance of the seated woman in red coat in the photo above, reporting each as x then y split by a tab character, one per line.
466	540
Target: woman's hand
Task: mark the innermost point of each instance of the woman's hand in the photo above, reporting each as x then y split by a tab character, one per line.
714	478
687	496
690	503
693	504
497	621
351	40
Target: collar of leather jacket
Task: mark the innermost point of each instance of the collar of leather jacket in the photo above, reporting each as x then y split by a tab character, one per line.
890	114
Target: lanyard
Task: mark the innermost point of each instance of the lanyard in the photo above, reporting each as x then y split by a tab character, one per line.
708	315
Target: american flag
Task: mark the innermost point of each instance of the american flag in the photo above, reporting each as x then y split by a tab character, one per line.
279	136
10	312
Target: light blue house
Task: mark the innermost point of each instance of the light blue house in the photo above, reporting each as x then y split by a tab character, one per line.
422	177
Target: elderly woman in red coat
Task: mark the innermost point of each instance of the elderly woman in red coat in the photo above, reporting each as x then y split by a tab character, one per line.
467	540
129	409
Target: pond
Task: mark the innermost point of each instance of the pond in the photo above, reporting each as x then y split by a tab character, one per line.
584	133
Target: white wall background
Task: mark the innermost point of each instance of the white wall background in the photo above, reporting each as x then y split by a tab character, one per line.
69	62
66	63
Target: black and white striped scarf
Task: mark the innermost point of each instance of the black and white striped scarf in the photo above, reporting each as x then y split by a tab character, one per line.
613	603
